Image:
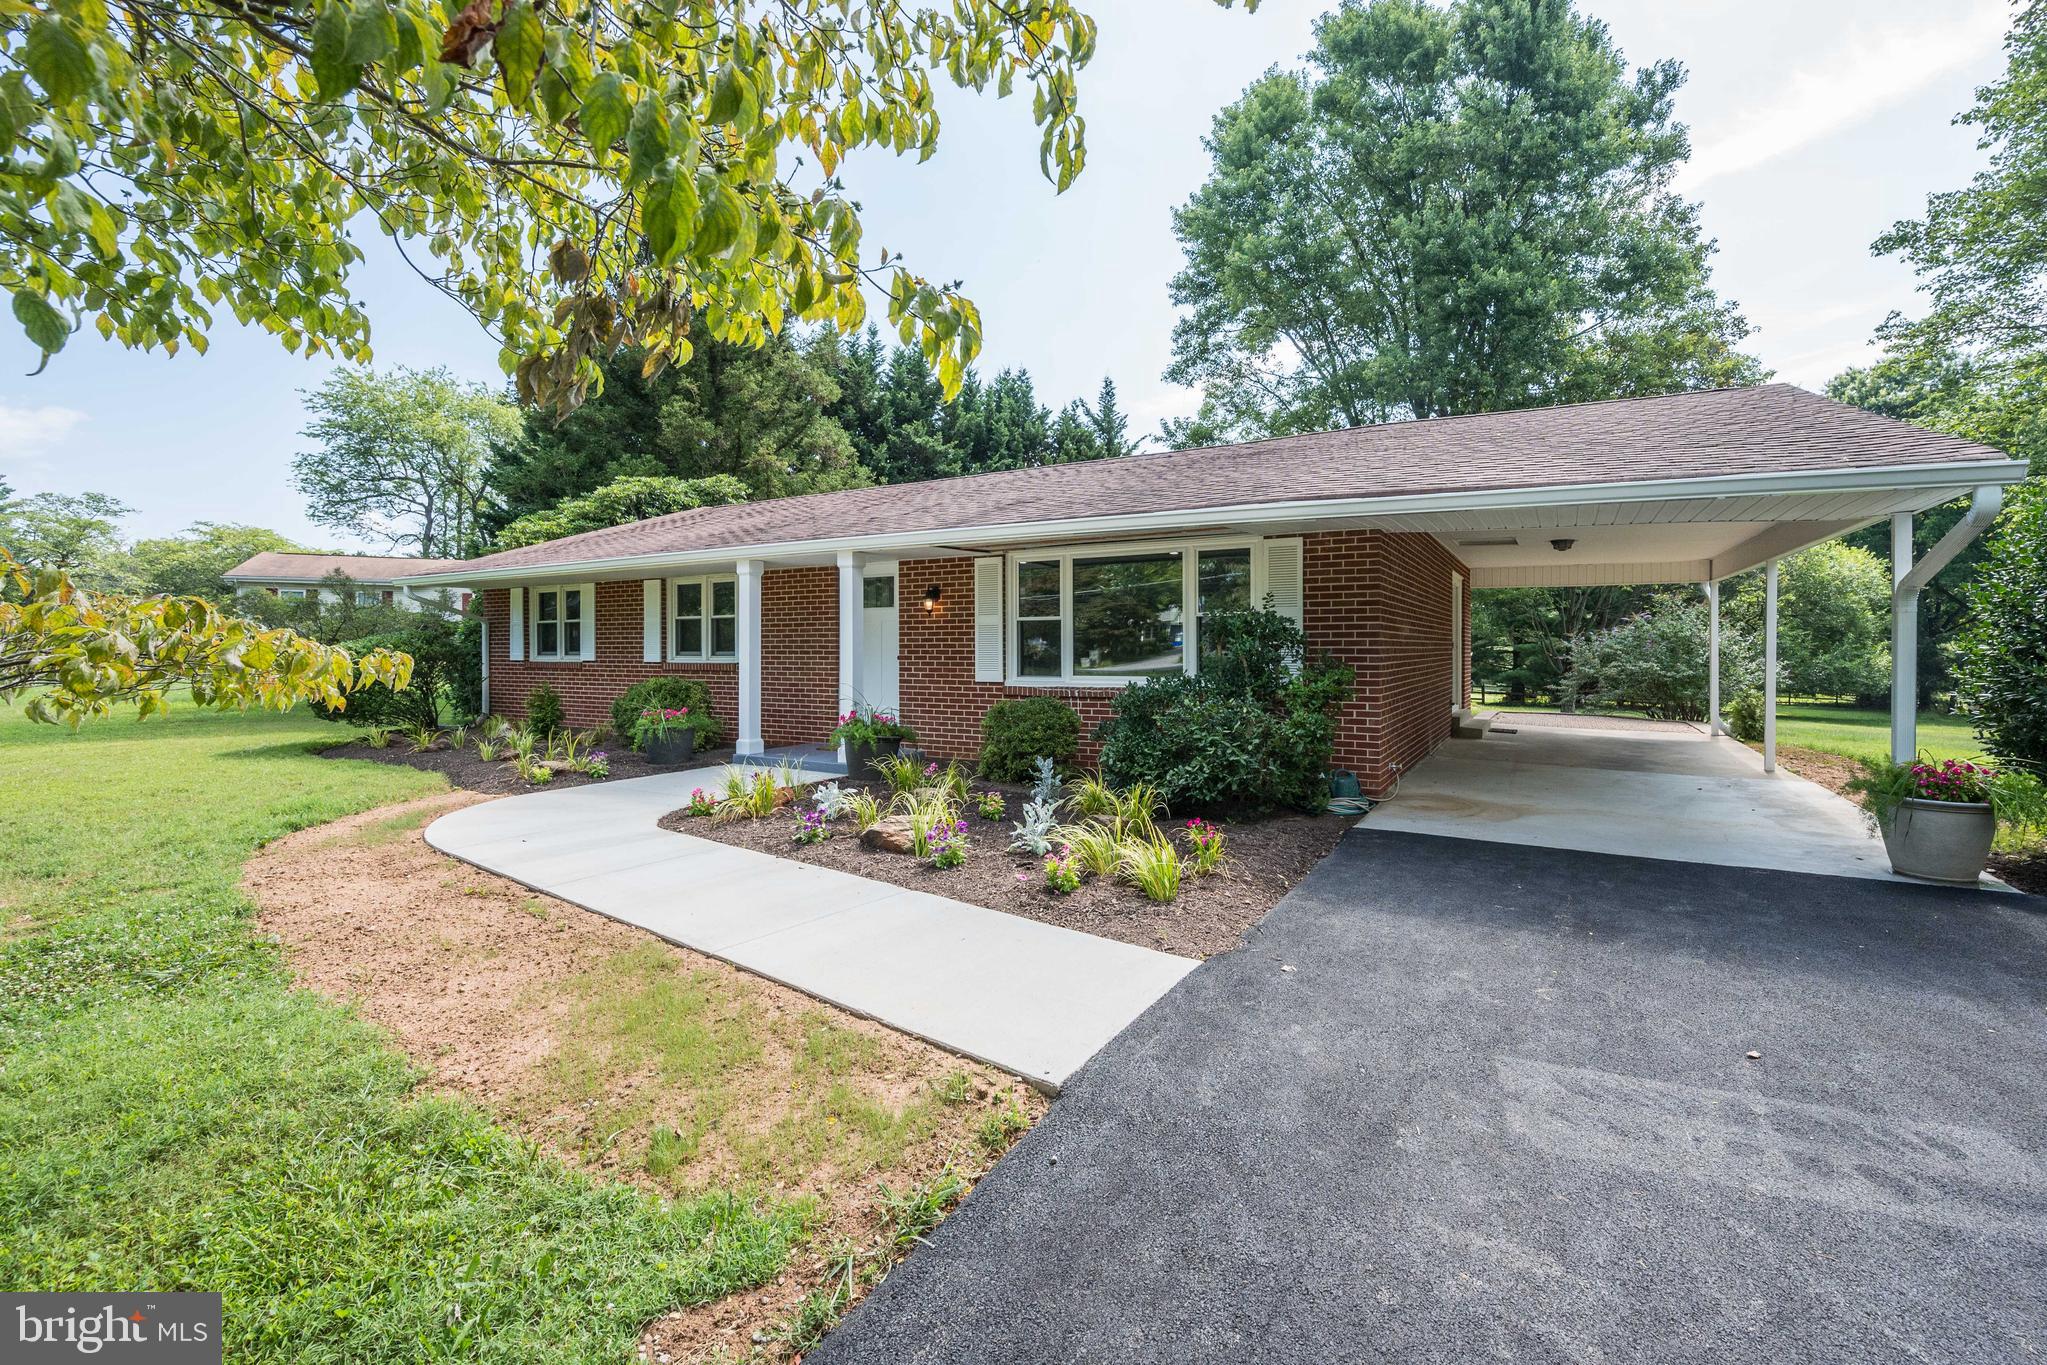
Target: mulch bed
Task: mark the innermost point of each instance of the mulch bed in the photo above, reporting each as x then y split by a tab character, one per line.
465	770
1263	860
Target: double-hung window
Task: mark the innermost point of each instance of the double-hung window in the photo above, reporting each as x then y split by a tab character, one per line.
558	623
703	618
1119	615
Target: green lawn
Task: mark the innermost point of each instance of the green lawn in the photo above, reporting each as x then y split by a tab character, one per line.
173	1116
1855	732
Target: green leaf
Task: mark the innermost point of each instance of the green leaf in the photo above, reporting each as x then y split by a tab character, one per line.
332	69
44	325
519	46
57	60
646	141
605	112
722	216
657	219
372	32
727	99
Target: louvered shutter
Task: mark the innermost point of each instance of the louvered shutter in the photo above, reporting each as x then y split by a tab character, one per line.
515	641
589	621
650	620
988	619
1283	577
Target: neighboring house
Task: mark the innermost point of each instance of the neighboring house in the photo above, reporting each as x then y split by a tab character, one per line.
372	578
940	598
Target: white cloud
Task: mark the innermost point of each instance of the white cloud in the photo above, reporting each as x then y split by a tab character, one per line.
27	433
1878	68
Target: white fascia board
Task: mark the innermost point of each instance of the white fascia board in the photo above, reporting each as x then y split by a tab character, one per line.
1244	516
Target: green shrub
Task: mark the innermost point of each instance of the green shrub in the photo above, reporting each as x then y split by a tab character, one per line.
2001	658
1017	732
544	713
1659	660
1253	730
668	693
1745	717
446	672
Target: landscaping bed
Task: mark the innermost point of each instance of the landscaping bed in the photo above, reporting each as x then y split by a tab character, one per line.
464	769
1263	859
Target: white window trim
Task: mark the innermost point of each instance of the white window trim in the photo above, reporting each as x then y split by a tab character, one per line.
587	619
1064	555
669	618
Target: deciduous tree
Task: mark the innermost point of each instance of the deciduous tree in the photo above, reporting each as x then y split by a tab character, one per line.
77	534
633	498
1457	209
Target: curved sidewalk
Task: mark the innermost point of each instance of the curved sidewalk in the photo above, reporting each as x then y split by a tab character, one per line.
1030	998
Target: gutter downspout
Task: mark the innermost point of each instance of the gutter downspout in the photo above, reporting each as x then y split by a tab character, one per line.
1983	509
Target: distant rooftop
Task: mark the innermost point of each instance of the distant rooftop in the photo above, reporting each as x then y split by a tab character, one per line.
284	566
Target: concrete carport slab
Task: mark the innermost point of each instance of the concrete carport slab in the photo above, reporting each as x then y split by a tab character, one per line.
1679	794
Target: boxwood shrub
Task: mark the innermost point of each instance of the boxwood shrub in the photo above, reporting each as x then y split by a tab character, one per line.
1016	732
668	693
1255	729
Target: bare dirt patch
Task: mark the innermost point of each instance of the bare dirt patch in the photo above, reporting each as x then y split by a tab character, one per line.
464	769
1264	859
635	1059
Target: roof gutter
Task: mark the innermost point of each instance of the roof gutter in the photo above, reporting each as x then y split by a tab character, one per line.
1957	474
1983	509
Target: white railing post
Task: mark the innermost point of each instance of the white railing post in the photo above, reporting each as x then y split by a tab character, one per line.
1770	668
749	740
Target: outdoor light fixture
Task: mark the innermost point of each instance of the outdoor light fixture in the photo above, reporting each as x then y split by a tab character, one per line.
931	596
1561	545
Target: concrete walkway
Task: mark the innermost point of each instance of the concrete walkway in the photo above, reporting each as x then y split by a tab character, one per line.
1030	998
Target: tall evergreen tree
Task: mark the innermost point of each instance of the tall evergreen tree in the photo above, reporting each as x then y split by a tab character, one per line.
1107	423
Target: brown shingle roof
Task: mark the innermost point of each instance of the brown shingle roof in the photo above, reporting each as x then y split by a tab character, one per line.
1774	428
288	566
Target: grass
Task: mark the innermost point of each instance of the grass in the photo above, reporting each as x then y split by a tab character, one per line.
173	1115
1850	731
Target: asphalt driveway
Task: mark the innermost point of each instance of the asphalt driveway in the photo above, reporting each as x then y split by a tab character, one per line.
1501	1108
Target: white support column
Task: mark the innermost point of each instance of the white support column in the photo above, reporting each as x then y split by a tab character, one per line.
1770	668
749	741
852	641
1904	645
1713	723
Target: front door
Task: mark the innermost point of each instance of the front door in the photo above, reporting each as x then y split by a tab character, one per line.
878	668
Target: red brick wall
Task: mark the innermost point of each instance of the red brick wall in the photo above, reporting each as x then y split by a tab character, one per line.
1377	600
799	659
941	701
1380	602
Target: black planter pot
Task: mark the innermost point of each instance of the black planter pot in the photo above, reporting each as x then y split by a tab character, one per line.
861	758
677	746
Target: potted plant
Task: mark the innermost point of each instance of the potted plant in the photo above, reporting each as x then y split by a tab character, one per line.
666	734
869	736
1938	820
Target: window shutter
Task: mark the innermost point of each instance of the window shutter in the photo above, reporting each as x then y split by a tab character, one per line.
1283	577
650	620
988	619
589	621
516	636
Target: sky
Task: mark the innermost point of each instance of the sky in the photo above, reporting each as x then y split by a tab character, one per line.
1815	125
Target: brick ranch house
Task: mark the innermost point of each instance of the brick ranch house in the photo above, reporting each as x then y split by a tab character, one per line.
939	598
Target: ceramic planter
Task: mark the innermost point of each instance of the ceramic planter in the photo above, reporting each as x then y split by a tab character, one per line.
861	758
677	746
1941	841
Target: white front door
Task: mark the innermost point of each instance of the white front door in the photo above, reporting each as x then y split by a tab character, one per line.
878	667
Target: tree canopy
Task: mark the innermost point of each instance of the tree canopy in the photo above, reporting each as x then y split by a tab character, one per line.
577	176
1456	209
78	534
633	498
401	457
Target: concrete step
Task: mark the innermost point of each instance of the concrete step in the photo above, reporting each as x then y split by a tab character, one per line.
1471	724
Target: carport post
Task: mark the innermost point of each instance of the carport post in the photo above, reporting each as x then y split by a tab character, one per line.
1770	668
1904	645
1713	725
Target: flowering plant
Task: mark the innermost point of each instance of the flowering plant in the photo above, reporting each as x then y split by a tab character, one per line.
812	827
701	802
598	765
2015	798
1062	875
1206	842
864	726
991	806
661	721
949	845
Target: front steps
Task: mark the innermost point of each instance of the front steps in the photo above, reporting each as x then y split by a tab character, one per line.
1466	724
